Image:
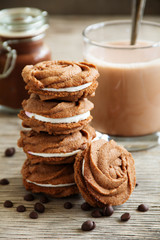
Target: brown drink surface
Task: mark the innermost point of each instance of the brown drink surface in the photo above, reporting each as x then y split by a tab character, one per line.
127	101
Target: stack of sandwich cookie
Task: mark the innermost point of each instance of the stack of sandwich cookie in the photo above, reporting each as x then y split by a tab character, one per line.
55	180
58	114
54	149
61	80
55	117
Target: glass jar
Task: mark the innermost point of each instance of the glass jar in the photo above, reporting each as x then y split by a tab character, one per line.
22	32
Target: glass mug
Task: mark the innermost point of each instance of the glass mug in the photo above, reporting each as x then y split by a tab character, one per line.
127	100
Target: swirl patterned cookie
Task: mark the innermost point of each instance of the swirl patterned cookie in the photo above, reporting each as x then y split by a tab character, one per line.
55	117
62	80
51	149
105	173
54	180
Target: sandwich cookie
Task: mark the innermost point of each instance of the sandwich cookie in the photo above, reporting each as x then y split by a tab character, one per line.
51	149
55	117
61	80
54	180
105	173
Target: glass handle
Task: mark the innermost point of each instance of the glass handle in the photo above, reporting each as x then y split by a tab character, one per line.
10	61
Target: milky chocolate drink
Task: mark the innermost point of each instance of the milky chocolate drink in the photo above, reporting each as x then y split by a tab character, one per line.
127	101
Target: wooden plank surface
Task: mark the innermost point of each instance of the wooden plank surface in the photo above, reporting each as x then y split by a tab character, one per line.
58	223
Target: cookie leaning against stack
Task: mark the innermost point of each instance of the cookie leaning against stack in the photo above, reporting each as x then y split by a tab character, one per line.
58	113
105	173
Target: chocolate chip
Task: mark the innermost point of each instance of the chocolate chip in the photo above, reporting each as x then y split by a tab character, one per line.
29	197
136	185
9	152
86	207
39	207
33	215
43	199
108	210
8	204
4	181
143	208
21	208
125	217
88	225
68	205
96	213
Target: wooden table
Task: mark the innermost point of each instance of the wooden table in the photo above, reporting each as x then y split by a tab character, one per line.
58	223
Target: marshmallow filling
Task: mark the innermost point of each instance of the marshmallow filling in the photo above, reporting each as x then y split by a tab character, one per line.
73	119
45	155
69	89
50	185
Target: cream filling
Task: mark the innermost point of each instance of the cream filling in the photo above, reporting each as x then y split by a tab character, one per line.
83	167
45	155
50	185
69	89
73	119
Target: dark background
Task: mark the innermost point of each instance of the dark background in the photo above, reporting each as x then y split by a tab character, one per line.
108	7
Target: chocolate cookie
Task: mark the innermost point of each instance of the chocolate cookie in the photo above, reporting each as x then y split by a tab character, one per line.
61	80
55	180
60	149
105	173
55	117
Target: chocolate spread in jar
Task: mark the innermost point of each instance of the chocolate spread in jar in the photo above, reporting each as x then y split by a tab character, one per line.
22	45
